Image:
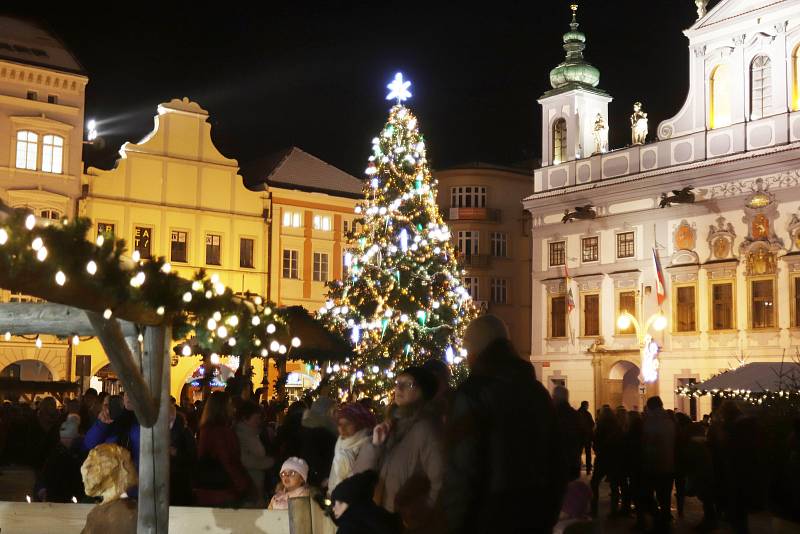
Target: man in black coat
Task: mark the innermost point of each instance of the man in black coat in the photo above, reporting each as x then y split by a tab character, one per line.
569	432
503	472
587	431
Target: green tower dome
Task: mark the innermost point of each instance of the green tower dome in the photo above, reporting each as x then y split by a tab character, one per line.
574	69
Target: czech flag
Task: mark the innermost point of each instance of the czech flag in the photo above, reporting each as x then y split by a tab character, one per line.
570	299
661	292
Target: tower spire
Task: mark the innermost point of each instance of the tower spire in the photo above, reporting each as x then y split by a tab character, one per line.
574	69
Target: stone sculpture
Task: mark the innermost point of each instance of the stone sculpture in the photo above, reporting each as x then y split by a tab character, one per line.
638	125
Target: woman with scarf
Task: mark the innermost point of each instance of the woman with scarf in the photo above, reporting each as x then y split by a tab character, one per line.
355	424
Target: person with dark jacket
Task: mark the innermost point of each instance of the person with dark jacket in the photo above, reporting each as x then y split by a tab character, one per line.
504	471
569	432
356	513
608	446
60	479
587	432
220	478
658	458
182	457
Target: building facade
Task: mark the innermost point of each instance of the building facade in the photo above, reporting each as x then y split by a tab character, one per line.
41	127
714	195
491	233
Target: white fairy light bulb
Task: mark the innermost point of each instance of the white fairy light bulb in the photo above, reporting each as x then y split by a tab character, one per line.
187	297
140	338
274	346
100	240
214	358
8	336
30	221
107	314
267	310
217	316
219	288
136	256
232	341
76	340
264	352
61	278
375	369
258	300
271	328
3	236
38	342
160	310
257	342
37	243
166	268
222	332
255	320
211	324
91	267
295	342
233	320
214	278
282	349
209	294
186	350
197	285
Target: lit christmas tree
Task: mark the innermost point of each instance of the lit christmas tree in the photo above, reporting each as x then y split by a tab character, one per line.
401	301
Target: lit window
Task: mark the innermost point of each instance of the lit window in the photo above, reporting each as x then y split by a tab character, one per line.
558	253
720	87
290	264
589	249
291	219
559	141
468	196
213	249
322	222
499	291
27	149
106	230
763	304
722	306
471	285
591	315
625	245
558	316
685	309
50	214
246	252
320	270
499	244
760	86
52	153
796	286
796	78
627	304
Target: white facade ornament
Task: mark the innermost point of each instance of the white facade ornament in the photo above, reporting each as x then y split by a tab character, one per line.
720	239
638	125
771	182
739	39
701	8
699	51
600	135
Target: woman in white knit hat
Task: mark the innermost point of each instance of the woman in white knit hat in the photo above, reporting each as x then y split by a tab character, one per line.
294	475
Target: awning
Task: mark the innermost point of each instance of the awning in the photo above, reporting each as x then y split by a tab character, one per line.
755	377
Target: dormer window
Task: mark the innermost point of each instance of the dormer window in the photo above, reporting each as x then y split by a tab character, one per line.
559	141
720	87
760	86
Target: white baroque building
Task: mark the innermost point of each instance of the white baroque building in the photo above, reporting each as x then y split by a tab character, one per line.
731	258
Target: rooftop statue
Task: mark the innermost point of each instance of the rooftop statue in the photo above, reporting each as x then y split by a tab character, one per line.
638	125
600	135
701	8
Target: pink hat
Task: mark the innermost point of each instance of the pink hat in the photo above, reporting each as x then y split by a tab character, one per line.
357	413
298	465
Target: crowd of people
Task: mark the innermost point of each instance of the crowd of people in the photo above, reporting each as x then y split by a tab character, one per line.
496	454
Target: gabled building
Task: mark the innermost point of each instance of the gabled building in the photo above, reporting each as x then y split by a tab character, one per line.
713	191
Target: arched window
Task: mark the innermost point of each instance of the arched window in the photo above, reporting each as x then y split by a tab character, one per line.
27	150
559	141
720	88
796	78
760	86
53	215
52	153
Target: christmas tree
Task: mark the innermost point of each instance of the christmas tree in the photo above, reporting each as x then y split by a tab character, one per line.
400	301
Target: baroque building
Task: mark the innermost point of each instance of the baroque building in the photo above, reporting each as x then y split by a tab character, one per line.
490	231
713	196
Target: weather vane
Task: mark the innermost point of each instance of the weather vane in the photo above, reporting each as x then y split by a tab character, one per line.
399	89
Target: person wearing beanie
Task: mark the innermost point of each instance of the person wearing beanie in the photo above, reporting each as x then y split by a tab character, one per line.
294	476
317	435
356	513
355	424
60	477
502	442
406	451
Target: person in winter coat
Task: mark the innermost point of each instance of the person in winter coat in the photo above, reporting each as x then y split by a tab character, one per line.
294	483
608	443
60	479
254	457
318	435
116	423
356	513
406	451
658	458
587	432
220	478
355	429
504	469
569	432
182	458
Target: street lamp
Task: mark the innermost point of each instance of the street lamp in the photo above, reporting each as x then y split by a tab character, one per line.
648	349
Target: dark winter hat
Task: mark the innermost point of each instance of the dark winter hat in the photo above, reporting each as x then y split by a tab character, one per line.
357	413
424	379
357	488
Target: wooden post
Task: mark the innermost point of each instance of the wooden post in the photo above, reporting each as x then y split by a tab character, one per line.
154	441
300	515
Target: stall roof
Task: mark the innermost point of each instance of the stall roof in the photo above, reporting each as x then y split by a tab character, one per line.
757	377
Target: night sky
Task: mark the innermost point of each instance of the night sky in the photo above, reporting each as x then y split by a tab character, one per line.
314	76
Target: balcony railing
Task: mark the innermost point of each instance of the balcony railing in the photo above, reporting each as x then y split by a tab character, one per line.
474	260
474	214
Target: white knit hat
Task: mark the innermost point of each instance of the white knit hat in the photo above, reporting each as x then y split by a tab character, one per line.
482	331
297	465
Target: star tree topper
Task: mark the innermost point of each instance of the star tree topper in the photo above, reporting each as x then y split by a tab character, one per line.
399	89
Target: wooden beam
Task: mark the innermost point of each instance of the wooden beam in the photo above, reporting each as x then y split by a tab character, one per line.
153	505
109	333
28	318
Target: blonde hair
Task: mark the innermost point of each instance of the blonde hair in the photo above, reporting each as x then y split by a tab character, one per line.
113	466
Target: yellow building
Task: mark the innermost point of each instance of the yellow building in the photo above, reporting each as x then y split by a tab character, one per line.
41	129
